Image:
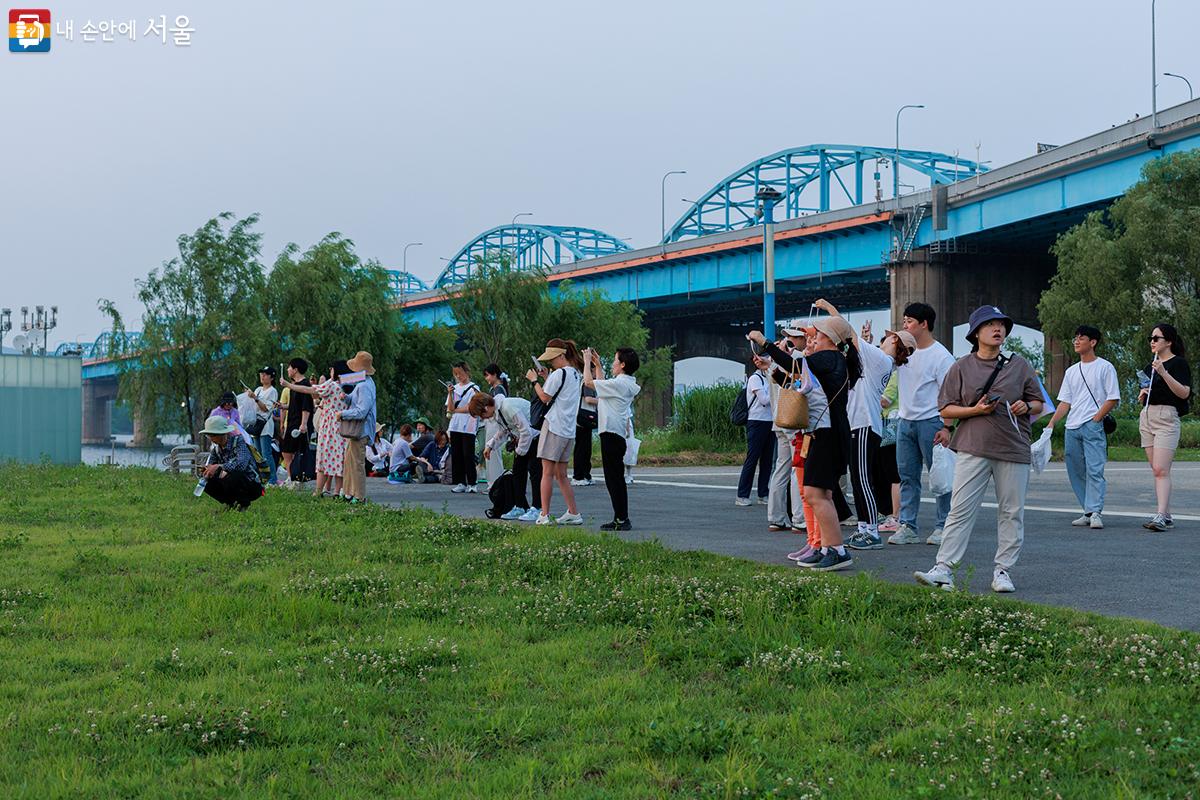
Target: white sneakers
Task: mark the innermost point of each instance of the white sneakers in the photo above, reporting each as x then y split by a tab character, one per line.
472	489
1001	582
462	487
905	535
582	482
1082	521
1097	523
566	519
742	501
935	537
1089	519
543	519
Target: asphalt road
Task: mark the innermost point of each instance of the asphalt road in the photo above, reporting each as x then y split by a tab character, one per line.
1123	570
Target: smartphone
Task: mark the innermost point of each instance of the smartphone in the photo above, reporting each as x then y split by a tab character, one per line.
537	365
993	399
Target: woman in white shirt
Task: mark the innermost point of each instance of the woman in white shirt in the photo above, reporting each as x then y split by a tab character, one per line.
561	392
511	415
758	435
462	429
497	381
614	408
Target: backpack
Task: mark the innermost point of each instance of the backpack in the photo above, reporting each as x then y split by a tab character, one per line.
739	413
260	464
503	495
538	409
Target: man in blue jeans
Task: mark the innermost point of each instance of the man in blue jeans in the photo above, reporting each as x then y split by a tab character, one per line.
1090	390
265	397
920	426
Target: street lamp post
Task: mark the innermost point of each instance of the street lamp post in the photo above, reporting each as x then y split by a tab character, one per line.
404	268
896	161
662	197
1191	96
1153	71
767	197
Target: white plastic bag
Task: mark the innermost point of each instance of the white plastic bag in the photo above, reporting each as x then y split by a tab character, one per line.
1039	451
632	445
941	474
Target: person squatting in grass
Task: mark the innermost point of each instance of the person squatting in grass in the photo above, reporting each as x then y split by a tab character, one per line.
835	366
232	479
865	410
1089	391
561	394
1164	401
462	429
510	416
614	411
992	397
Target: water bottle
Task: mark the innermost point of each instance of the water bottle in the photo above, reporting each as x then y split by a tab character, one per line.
200	486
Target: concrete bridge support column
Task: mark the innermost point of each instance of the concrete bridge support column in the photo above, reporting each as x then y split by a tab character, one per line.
141	437
97	411
957	285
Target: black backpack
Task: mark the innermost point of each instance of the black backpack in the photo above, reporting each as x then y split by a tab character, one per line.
739	413
538	409
503	495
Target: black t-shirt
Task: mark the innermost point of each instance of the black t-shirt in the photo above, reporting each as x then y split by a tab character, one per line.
1161	394
421	442
298	403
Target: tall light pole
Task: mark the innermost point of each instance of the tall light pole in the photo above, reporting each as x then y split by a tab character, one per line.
1191	96
522	214
404	268
767	197
1153	70
896	161
662	197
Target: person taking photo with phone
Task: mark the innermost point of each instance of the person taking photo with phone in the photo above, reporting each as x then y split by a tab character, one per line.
1165	399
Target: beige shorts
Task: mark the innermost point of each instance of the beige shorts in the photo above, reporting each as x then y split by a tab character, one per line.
553	447
1159	426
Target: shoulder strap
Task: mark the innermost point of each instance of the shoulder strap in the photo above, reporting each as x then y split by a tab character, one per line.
1083	379
1001	360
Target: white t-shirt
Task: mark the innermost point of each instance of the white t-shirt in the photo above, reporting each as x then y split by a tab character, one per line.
268	396
758	397
561	418
614	407
863	407
401	453
1100	377
463	423
921	380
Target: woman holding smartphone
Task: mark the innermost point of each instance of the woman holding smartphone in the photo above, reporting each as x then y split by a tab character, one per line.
1164	401
462	429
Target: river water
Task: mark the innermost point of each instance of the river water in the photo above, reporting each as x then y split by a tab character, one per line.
120	453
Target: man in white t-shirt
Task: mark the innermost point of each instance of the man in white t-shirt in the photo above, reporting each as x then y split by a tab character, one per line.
1090	390
920	427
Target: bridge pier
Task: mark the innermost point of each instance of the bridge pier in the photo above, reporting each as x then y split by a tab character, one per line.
98	396
141	435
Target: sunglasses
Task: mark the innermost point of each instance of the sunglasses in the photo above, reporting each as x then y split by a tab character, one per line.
1154	339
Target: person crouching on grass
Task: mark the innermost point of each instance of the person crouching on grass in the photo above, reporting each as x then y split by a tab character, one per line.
233	478
992	397
562	392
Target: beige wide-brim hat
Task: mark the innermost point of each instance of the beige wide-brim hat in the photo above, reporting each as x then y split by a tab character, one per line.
552	353
906	339
216	426
362	362
836	328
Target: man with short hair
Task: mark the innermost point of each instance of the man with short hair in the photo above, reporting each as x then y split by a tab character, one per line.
1089	391
921	426
402	461
299	410
232	477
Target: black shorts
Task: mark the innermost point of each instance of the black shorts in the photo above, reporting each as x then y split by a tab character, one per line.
826	461
293	444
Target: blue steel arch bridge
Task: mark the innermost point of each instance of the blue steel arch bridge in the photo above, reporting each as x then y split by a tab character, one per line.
530	247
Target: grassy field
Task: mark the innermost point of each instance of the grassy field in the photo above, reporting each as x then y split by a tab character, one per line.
154	646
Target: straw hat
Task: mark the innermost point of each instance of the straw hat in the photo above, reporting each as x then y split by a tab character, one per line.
836	328
552	353
362	362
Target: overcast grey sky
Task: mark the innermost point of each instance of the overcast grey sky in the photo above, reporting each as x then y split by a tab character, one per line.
431	122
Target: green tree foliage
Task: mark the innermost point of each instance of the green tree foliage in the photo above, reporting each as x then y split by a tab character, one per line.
505	315
204	328
1133	266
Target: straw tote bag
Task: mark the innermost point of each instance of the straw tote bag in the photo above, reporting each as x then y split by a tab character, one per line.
791	410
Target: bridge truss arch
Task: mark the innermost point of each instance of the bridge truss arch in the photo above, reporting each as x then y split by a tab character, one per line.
530	247
808	178
402	283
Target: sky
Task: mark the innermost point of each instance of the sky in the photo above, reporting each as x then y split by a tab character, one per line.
430	122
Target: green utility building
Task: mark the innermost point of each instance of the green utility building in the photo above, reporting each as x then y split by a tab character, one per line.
41	401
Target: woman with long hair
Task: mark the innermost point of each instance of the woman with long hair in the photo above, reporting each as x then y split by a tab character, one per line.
462	429
561	393
331	447
1165	397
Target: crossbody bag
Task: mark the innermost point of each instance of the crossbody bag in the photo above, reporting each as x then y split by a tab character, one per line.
1109	422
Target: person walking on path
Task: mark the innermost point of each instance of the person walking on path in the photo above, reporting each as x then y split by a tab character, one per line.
361	407
1089	392
920	425
560	395
266	399
462	429
758	434
835	367
331	447
614	409
992	396
1165	398
493	461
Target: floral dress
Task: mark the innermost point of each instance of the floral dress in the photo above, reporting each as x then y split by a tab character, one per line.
331	447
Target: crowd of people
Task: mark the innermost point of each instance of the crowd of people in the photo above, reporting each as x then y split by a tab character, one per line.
878	415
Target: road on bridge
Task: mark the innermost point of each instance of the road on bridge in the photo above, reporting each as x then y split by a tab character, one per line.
1123	570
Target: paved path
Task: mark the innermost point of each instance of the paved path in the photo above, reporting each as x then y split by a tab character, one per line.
1120	571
